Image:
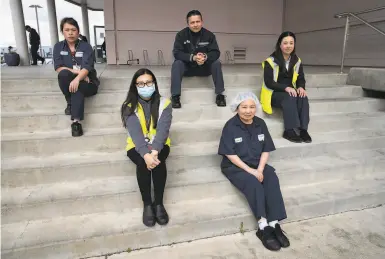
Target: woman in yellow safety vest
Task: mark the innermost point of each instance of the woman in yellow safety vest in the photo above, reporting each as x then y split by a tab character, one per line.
283	86
147	117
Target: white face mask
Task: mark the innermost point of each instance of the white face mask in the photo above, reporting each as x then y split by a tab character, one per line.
146	92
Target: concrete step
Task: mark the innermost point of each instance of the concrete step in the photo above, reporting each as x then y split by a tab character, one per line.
333	236
182	132
122	83
107	117
94	195
107	232
111	140
58	169
28	102
23	171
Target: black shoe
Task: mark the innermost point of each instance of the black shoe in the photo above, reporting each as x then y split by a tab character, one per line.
77	129
282	239
148	216
67	110
305	136
161	214
221	101
292	136
176	102
268	238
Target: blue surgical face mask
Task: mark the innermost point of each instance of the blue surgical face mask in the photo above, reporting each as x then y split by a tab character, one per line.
146	92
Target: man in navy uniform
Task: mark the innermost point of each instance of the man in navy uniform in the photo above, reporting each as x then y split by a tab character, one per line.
196	53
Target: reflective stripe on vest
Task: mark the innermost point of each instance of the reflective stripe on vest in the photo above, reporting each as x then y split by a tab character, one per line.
148	134
267	93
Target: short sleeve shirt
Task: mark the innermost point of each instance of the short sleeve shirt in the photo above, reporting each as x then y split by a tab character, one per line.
83	57
248	142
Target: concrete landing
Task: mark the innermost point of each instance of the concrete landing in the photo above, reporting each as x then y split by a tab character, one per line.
113	71
356	234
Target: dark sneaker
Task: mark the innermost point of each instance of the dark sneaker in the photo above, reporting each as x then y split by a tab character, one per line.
148	216
268	239
67	110
279	234
77	129
221	101
161	215
176	102
305	136
292	136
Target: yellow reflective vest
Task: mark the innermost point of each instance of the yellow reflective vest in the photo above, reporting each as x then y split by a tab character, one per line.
151	133
266	93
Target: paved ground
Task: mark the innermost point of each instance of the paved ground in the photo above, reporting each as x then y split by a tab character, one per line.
111	71
351	235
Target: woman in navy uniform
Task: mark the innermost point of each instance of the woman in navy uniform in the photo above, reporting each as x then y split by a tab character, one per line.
283	87
147	117
73	60
245	145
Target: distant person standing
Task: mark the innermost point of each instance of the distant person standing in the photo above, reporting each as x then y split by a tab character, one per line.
34	41
104	46
83	38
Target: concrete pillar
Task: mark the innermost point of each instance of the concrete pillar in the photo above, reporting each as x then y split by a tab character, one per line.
20	33
86	25
52	20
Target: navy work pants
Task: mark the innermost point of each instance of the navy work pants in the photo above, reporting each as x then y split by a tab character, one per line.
265	199
75	99
180	69
295	110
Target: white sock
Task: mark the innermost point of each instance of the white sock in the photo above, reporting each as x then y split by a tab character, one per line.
262	223
273	223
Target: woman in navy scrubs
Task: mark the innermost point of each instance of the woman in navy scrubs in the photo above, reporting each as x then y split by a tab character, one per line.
245	145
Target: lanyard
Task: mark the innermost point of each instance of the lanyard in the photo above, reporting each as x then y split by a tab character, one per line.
73	55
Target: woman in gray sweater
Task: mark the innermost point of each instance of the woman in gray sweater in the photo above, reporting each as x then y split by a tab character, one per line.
147	117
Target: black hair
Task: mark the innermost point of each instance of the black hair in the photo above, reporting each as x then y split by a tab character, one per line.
132	98
69	20
192	13
278	52
27	27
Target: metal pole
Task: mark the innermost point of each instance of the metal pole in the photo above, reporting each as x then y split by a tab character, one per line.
53	31
344	45
38	28
19	29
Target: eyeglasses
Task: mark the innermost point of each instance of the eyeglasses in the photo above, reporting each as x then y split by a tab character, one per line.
143	84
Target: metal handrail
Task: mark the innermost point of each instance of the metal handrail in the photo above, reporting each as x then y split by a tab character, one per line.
347	25
340	15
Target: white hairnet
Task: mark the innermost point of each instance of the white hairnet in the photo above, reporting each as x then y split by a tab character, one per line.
243	96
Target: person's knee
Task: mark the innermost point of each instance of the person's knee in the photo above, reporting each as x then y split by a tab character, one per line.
65	74
289	100
216	64
178	64
270	175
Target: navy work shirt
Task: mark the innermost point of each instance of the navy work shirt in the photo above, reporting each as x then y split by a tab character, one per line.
246	141
84	57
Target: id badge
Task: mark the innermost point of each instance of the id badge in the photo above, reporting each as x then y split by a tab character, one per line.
76	67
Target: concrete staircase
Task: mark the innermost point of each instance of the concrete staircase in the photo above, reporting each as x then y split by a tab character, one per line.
65	197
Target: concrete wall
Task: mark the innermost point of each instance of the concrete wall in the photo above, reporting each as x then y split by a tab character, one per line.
320	35
152	25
